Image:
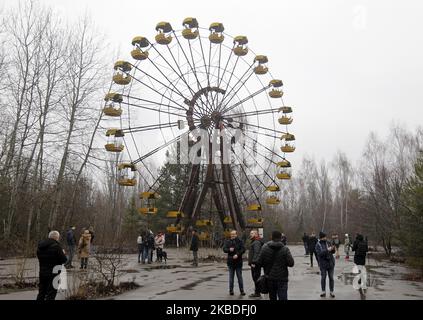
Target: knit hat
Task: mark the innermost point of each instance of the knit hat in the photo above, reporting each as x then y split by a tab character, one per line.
322	234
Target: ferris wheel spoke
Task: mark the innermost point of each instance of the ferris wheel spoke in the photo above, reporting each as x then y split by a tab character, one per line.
253	113
152	109
152	152
257	126
262	145
245	99
239	188
237	90
164	85
150	127
229	82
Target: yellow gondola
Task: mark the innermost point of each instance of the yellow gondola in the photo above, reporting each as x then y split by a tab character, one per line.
255	221
274	188
121	75
189	24
126	174
204	236
139	43
285	109
261	68
174	214
285	120
240	46
254	207
174	228
275	93
115	142
227	220
287	148
288	137
284	164
216	32
283	176
204	223
149	195
273	200
148	210
227	233
113	109
163	28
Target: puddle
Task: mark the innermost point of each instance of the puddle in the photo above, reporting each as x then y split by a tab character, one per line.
164	266
372	281
130	271
191	286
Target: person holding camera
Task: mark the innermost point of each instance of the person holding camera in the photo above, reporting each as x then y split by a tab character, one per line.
325	251
234	247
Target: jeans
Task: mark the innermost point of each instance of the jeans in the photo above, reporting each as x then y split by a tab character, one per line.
140	252
363	276
46	290
70	255
255	274
329	272
238	271
306	248
195	256
144	254
150	255
84	263
278	290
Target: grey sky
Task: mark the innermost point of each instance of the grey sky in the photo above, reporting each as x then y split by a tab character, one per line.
348	67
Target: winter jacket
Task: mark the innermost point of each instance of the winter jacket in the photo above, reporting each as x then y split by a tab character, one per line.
239	250
305	238
360	249
194	243
50	254
277	253
70	238
254	252
150	241
325	257
312	241
284	240
84	245
159	241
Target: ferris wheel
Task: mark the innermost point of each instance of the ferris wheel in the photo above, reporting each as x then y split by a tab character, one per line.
201	79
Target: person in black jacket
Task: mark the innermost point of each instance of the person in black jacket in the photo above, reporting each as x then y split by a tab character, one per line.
275	258
194	247
71	243
253	255
360	249
234	247
325	251
312	240
305	242
50	254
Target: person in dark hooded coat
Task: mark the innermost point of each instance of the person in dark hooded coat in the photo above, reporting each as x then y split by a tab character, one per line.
360	249
325	252
275	258
50	256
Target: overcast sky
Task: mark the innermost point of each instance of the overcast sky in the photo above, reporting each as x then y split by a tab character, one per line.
348	67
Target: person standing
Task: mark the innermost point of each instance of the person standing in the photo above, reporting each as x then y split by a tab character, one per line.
360	249
275	258
312	241
284	239
336	243
50	254
71	244
325	253
235	248
347	246
150	246
140	248
253	255
159	242
194	247
305	242
84	248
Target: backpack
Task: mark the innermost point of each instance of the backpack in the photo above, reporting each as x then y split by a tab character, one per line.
362	248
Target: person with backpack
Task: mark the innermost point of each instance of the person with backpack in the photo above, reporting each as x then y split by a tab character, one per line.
325	251
150	246
275	258
311	244
360	249
253	255
234	247
305	242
